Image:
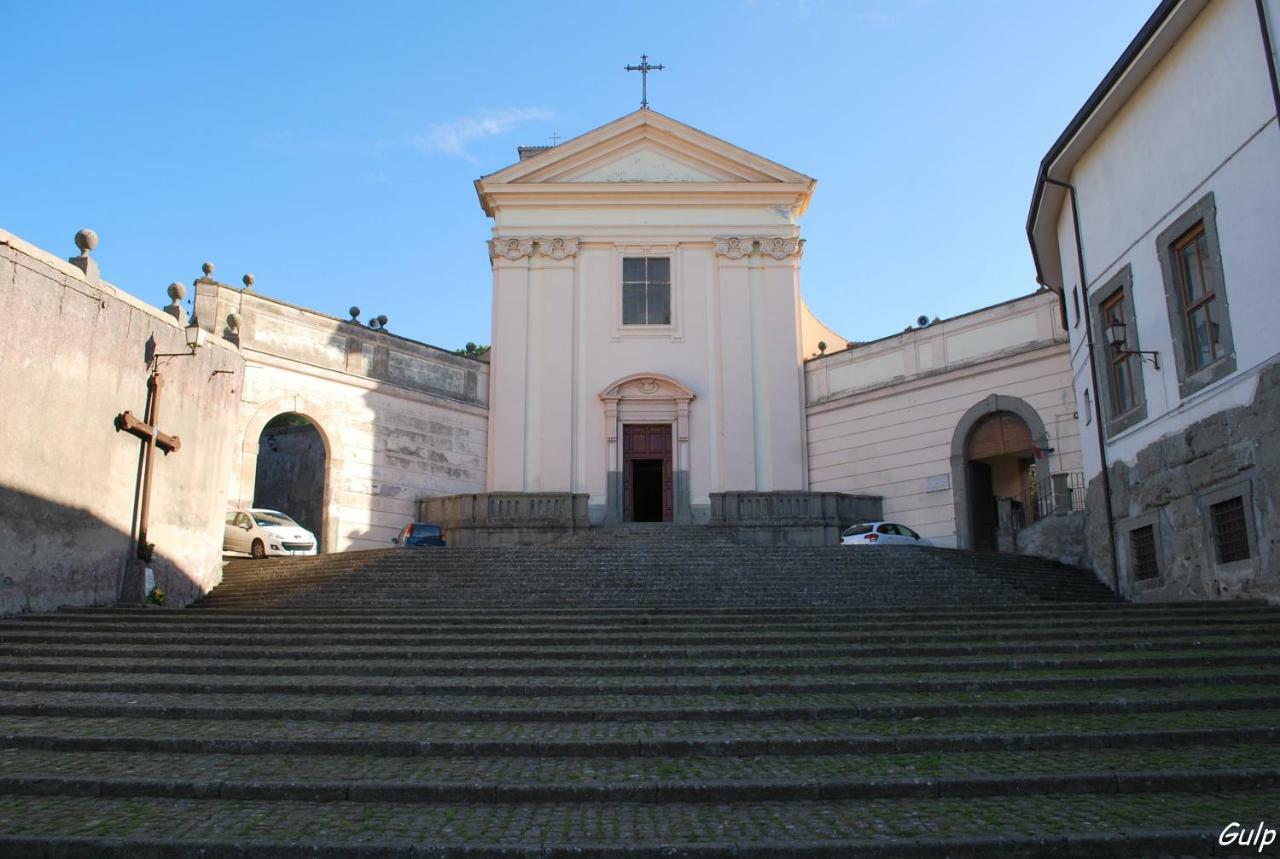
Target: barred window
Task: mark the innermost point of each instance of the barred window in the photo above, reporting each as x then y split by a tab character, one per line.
1142	552
1230	533
646	291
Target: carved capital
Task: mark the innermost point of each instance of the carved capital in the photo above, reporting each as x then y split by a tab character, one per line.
733	247
558	248
782	248
512	249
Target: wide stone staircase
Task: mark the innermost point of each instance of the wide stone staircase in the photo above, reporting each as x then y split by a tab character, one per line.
640	692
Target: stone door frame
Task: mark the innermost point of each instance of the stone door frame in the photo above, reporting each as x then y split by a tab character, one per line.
647	398
960	454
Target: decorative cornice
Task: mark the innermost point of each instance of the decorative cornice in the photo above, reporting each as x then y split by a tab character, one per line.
512	249
782	248
558	248
733	247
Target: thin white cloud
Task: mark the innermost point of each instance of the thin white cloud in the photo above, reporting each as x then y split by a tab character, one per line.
452	138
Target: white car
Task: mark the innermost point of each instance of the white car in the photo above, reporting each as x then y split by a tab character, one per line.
262	533
881	534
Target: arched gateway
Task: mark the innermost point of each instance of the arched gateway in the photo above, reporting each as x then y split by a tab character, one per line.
998	447
333	457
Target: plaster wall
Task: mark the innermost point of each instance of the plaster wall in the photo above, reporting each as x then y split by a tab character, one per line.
74	354
734	341
399	420
881	417
814	331
1203	122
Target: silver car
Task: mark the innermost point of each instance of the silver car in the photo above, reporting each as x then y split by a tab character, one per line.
881	534
263	533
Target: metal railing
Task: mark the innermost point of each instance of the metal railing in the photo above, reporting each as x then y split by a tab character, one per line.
1061	493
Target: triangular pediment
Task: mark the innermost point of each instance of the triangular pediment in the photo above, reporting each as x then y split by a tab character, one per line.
643	143
644	153
646	163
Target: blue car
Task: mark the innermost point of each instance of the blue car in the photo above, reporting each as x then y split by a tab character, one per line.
420	534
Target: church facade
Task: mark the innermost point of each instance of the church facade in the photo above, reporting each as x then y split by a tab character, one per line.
647	309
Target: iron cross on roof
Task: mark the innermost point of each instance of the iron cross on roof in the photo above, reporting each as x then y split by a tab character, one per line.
644	68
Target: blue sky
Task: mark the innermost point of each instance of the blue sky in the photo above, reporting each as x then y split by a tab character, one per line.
330	149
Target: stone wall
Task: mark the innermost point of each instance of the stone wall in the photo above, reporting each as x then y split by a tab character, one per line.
1060	538
792	518
507	518
74	351
1171	486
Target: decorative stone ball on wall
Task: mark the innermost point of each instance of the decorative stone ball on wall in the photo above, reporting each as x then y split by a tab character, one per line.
86	240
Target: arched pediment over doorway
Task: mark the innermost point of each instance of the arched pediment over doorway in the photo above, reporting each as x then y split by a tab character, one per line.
647	386
649	400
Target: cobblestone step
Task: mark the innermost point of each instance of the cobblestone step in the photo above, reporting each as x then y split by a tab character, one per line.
349	653
691	768
426	623
632	708
868	690
153	733
1188	663
1089	824
553	615
266	636
637	788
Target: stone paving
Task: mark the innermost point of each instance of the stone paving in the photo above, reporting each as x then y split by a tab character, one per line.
1017	711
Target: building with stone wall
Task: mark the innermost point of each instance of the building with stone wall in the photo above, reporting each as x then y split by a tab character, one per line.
1155	218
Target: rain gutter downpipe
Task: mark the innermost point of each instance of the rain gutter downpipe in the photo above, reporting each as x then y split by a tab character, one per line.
1093	374
1271	56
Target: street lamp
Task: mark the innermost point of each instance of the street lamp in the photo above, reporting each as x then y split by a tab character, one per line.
192	331
195	335
1117	334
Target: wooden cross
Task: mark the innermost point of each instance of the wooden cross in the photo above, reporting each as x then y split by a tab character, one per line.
151	439
644	68
555	139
